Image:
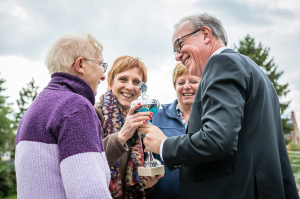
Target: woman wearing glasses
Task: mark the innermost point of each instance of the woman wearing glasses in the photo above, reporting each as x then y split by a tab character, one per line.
59	153
123	147
172	121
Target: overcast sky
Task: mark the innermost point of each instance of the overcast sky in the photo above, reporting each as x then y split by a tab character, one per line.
141	29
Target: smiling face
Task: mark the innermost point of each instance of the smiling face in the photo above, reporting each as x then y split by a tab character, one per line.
125	86
93	74
194	50
186	87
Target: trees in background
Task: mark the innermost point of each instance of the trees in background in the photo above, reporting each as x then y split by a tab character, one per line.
7	140
27	95
6	119
260	55
9	122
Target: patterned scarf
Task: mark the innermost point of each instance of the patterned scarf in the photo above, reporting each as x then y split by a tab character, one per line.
114	118
181	115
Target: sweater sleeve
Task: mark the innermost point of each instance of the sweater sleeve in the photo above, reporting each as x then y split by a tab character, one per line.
113	148
83	164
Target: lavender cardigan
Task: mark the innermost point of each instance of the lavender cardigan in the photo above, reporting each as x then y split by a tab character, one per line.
59	152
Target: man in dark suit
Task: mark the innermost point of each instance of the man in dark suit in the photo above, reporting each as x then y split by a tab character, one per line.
234	145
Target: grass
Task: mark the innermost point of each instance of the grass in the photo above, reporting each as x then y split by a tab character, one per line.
11	197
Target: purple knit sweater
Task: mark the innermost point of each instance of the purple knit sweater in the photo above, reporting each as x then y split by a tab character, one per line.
59	152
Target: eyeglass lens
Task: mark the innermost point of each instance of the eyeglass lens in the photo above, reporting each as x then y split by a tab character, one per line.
177	46
104	66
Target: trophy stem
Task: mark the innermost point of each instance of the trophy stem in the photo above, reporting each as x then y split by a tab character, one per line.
148	122
150	161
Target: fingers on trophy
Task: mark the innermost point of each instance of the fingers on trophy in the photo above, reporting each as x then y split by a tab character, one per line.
151	166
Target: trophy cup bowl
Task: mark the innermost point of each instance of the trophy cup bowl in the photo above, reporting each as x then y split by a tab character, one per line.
152	166
149	104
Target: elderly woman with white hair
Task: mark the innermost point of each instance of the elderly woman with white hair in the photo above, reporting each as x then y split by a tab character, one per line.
59	152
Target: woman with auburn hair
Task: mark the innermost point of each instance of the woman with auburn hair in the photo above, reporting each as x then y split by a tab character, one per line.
172	121
122	145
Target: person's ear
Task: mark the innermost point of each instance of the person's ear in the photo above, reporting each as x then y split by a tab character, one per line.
207	34
78	65
110	84
109	88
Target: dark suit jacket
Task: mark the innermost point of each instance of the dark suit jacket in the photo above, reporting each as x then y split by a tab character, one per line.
234	146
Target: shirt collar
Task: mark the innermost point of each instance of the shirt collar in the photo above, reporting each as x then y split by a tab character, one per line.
219	51
178	108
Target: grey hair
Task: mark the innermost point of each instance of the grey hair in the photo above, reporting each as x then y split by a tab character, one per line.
68	48
200	20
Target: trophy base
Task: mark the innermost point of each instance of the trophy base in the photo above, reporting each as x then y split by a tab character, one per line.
152	171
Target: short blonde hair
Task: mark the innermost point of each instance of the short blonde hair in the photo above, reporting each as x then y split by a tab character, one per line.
179	70
68	48
124	63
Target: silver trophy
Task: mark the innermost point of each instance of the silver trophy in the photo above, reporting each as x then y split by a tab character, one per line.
151	166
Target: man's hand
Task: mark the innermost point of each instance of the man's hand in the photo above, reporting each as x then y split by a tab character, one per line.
153	137
149	181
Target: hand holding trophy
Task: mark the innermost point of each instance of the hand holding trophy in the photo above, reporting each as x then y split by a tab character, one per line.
151	166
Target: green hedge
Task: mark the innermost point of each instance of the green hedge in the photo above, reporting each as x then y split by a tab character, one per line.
7	179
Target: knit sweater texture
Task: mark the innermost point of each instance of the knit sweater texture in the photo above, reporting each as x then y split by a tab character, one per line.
59	151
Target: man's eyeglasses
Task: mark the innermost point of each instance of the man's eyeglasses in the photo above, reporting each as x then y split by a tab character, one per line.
177	44
103	65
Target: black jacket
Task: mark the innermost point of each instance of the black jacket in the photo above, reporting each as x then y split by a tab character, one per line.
234	146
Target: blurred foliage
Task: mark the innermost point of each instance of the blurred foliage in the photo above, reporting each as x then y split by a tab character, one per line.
11	197
294	156
7	179
27	95
8	137
7	143
294	146
6	121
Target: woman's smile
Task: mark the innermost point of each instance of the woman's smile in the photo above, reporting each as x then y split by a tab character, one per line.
127	95
126	86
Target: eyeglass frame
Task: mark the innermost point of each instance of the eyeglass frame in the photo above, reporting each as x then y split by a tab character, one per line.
103	65
179	44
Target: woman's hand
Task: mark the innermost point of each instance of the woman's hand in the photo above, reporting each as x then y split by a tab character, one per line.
133	120
149	181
